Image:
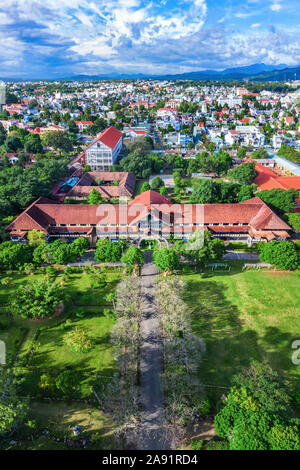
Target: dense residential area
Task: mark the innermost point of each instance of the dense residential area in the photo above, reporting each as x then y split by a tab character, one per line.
149	265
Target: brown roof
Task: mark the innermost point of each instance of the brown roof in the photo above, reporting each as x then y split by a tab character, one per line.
43	214
126	184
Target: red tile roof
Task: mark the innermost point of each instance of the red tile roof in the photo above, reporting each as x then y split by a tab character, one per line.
253	214
267	179
150	197
109	137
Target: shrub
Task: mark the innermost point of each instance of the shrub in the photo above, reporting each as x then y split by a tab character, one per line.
47	382
78	340
217	445
197	444
67	381
282	254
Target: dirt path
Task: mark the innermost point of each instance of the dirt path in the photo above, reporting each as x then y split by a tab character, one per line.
152	435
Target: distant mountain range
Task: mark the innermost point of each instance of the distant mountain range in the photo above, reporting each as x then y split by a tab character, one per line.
254	72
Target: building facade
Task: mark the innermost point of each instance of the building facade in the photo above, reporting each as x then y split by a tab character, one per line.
150	215
104	150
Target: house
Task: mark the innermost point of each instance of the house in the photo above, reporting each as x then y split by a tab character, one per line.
133	133
183	139
104	150
231	137
150	216
83	124
108	184
289	120
267	179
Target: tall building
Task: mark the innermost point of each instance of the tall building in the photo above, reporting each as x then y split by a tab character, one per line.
2	94
104	150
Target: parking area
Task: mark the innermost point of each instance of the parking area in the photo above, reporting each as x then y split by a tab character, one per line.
167	179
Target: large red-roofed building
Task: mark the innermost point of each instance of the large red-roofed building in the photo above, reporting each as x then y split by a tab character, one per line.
151	215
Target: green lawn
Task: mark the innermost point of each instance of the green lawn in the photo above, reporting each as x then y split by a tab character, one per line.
51	354
243	315
59	419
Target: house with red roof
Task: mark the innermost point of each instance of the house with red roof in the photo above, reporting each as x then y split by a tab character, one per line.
104	150
289	120
150	215
267	179
83	124
111	184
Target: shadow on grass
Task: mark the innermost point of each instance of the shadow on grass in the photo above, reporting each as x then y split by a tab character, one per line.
231	346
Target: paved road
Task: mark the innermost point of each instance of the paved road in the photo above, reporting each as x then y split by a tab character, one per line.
152	435
241	255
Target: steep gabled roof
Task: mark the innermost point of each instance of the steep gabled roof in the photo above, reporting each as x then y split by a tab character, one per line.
109	137
32	217
150	197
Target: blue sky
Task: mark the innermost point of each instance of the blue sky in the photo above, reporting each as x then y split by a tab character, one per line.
59	38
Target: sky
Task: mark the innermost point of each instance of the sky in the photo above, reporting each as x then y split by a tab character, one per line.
62	38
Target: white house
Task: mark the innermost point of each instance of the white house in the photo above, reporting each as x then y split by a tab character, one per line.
104	150
231	137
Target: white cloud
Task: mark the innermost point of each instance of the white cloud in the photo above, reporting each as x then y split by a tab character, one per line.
276	6
98	36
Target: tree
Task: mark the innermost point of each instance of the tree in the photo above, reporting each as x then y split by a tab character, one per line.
33	144
37	299
260	153
145	187
47	382
78	340
35	237
157	183
79	246
282	254
257	412
14	255
133	257
137	163
294	220
284	437
95	197
241	153
87	168
244	174
246	191
57	252
280	200
12	143
166	259
67	382
32	104
206	192
12	410
201	248
2	134
163	191
59	140
108	252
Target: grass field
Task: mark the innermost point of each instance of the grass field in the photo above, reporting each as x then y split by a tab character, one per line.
243	315
51	354
59	419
